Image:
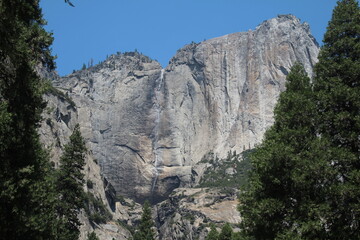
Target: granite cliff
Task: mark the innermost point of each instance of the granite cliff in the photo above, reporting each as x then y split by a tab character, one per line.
147	126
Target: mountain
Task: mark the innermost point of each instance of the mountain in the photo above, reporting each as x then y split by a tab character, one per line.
147	127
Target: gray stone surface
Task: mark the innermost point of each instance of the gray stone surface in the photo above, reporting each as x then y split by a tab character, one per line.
60	117
147	127
115	105
188	212
221	93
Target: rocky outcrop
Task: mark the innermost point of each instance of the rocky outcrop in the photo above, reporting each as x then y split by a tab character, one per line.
147	126
116	109
220	94
60	117
189	212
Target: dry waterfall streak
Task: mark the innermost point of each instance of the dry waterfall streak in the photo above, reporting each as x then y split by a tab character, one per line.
157	150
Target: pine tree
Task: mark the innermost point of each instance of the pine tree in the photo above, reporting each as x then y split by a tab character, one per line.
213	234
226	232
70	184
280	196
25	198
145	231
337	90
92	236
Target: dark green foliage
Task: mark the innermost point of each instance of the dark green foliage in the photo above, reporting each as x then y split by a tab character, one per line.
337	91
284	180
306	177
145	230
215	176
50	89
121	199
237	236
92	236
337	77
190	217
96	209
226	232
126	226
97	218
26	197
213	234
69	185
89	184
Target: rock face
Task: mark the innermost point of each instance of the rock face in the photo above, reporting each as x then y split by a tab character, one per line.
189	212
147	126
116	110
60	117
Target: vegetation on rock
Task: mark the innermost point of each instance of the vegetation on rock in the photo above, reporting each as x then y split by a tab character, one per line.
230	172
145	229
95	209
69	185
92	236
213	234
226	232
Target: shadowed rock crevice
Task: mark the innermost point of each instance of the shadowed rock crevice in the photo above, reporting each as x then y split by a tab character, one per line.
133	150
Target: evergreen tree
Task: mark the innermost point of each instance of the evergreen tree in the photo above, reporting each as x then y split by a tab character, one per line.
213	234
25	198
237	236
226	232
337	90
92	236
70	184
145	231
283	183
305	182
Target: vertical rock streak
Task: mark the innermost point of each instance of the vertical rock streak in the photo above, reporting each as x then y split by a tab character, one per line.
156	149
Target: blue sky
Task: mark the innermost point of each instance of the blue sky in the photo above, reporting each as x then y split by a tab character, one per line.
94	29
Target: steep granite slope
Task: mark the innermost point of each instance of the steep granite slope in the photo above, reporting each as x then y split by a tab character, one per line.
220	94
60	117
114	102
147	126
